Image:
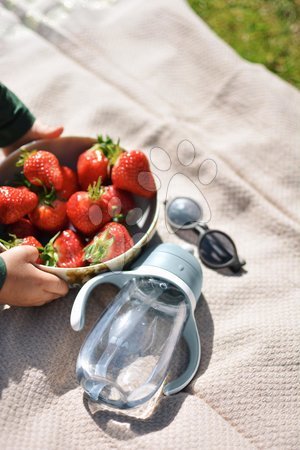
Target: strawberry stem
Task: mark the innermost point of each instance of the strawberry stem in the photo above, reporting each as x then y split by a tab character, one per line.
13	242
118	218
24	156
49	254
47	197
95	190
96	252
109	148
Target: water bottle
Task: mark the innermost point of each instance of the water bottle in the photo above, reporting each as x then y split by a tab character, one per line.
126	357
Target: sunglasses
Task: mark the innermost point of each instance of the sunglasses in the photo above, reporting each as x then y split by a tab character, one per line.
216	249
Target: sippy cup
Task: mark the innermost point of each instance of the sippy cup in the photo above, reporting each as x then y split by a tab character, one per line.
126	357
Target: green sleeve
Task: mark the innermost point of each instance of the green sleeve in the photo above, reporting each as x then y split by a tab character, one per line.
2	272
15	118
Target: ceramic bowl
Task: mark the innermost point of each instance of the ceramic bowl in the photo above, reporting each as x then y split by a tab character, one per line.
67	150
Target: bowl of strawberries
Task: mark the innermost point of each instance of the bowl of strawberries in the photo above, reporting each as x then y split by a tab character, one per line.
88	205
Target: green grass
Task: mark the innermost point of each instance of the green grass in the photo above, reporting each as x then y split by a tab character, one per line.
262	31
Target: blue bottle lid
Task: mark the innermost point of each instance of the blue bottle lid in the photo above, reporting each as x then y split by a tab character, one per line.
180	262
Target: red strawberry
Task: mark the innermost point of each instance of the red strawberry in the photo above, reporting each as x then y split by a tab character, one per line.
50	217
132	173
22	228
15	203
29	240
64	250
94	162
119	202
87	211
70	183
41	168
112	241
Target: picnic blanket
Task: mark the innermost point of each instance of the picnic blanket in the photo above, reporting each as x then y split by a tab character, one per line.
153	74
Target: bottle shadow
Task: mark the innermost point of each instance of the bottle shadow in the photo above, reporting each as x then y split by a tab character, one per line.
125	427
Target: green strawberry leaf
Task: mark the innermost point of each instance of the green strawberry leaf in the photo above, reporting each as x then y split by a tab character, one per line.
112	150
95	190
12	242
48	254
24	155
47	197
96	252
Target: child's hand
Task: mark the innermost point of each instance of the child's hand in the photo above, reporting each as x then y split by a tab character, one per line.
25	284
37	131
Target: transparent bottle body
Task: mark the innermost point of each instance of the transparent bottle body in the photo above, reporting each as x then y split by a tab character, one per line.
125	358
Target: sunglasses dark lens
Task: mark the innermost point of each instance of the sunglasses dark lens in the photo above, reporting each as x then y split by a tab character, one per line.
216	248
183	212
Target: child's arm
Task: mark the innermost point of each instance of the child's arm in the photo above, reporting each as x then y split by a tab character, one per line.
15	118
23	284
18	125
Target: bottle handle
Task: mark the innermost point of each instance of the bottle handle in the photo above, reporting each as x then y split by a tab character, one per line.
77	318
192	338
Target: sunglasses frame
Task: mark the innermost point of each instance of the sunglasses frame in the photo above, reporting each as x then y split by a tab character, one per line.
235	263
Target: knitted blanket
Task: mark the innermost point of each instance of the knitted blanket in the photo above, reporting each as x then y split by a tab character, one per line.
153	74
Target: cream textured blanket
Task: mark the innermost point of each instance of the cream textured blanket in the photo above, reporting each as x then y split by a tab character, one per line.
154	74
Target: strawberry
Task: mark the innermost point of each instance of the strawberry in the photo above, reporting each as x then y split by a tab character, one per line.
50	213
64	250
41	168
29	240
87	210
22	228
70	183
50	218
119	202
94	162
131	172
110	242
15	203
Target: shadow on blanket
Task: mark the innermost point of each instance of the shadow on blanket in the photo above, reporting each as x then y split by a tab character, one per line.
39	347
123	427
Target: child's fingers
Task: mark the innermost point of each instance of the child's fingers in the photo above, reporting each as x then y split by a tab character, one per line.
43	131
54	285
28	253
25	284
49	282
25	253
